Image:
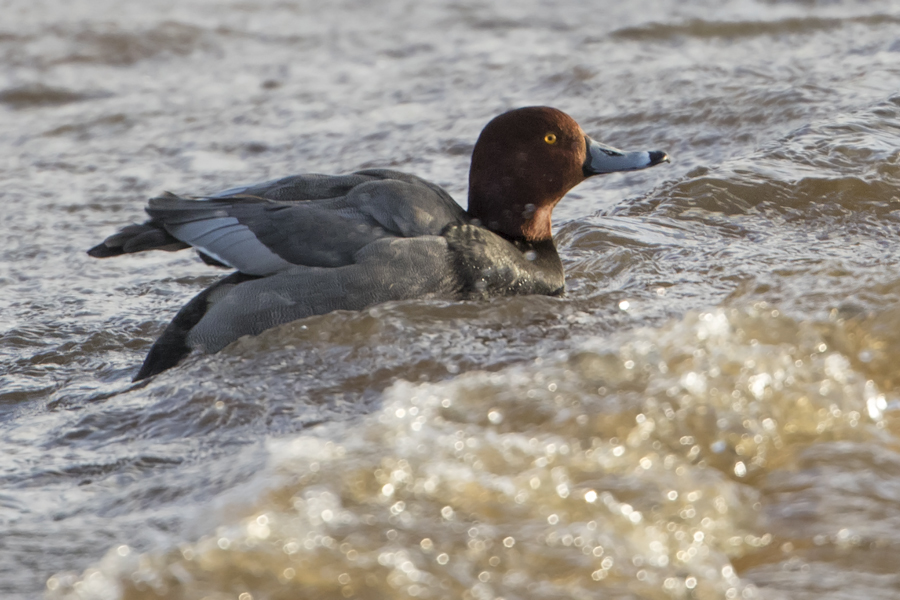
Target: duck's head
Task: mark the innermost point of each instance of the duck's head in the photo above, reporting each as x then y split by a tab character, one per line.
525	161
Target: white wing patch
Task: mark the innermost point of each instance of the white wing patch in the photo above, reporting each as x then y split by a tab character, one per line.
228	241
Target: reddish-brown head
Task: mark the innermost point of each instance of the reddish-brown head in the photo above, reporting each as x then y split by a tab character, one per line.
524	162
527	159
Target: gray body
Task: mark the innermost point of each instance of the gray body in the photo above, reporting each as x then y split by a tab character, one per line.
312	244
383	270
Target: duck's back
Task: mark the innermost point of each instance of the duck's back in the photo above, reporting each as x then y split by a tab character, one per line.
308	220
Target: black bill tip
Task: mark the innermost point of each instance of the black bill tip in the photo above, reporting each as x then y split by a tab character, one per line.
658	156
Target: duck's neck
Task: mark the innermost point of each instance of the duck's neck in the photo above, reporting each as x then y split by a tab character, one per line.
515	213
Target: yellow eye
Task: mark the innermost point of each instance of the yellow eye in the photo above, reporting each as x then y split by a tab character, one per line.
550	138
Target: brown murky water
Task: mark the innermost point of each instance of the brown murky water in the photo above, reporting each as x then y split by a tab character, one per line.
711	412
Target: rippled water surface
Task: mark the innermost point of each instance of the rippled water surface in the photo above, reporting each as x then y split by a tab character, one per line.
713	410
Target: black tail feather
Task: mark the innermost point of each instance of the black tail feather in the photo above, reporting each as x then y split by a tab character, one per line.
171	346
137	238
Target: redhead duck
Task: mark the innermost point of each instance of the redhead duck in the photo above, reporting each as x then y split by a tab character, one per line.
311	244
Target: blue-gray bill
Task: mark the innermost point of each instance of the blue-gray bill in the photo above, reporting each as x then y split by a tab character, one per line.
606	159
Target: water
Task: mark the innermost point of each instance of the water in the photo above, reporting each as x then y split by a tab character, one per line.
711	412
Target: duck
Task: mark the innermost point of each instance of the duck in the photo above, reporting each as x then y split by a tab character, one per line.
311	244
